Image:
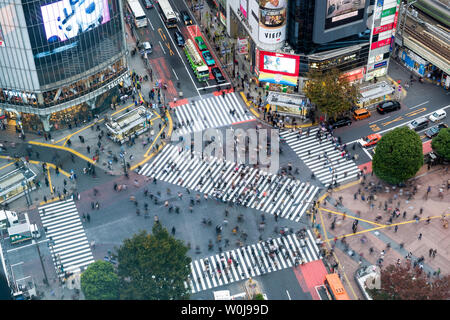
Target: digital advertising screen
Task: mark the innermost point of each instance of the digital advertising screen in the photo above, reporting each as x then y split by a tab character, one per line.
340	12
69	37
69	18
284	64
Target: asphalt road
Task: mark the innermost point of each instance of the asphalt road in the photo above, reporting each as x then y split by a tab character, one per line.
168	60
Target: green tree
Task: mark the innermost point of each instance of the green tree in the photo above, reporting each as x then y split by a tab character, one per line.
100	282
407	283
398	155
441	143
331	92
258	296
153	266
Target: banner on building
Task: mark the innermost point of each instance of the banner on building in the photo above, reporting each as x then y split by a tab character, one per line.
272	21
242	45
278	79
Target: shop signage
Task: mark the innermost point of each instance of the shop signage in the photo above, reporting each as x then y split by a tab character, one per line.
384	28
380	43
242	44
379	65
388	12
116	82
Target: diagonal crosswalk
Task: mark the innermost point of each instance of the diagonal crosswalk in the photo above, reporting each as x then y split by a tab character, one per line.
321	156
70	249
252	260
227	181
213	112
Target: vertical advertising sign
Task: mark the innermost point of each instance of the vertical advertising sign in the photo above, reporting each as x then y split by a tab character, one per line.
242	45
272	21
244	7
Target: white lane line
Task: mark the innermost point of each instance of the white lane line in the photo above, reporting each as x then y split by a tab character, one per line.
150	24
16	264
420	104
162	47
379	119
175	74
289	296
367	152
182	60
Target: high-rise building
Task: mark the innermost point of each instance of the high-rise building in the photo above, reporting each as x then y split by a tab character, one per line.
59	59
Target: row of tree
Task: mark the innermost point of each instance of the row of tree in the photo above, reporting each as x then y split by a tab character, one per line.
150	267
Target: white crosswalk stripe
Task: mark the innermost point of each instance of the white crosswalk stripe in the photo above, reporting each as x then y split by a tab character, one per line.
213	112
224	180
252	260
322	157
70	248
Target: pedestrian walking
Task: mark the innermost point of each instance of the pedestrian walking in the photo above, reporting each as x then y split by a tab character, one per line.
434	253
395	228
88	217
420	236
173	230
430	252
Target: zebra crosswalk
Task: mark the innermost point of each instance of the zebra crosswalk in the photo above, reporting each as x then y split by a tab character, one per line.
70	248
252	260
213	112
227	181
321	156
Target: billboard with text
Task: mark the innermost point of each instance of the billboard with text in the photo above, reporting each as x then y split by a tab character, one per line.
280	63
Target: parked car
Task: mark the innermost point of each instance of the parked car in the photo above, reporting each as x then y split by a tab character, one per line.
388	106
437	115
201	43
360	114
208	58
148	4
418	124
370	140
145	47
340	122
433	131
218	75
186	18
180	39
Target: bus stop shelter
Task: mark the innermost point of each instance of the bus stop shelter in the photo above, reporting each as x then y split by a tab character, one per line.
288	104
129	124
374	94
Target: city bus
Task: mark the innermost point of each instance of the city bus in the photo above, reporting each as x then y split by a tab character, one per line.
201	70
137	12
169	16
335	287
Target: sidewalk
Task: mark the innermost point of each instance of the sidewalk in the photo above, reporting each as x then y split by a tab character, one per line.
336	222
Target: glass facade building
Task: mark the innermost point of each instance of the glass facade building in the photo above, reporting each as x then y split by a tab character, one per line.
55	54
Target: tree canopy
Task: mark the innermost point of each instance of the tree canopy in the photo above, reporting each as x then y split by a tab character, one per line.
100	282
407	283
331	92
153	266
441	143
398	155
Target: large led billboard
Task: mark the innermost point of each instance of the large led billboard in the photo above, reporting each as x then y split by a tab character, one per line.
272	21
69	37
69	18
339	12
280	63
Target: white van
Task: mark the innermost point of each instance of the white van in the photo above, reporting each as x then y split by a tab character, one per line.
35	231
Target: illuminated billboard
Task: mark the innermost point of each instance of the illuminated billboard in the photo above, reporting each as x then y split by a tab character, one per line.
284	64
68	18
2	43
272	21
340	12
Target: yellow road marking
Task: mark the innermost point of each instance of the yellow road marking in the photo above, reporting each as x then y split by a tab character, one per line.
7	165
413	113
62	148
161	33
49	180
352	217
374	127
154	141
392	121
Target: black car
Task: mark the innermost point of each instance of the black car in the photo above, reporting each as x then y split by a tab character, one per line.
388	106
180	39
186	17
218	75
148	4
340	122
